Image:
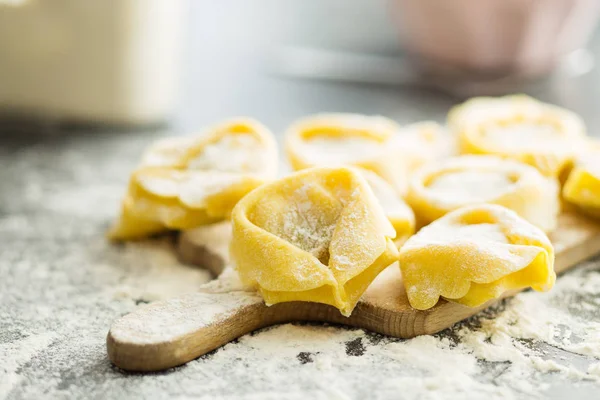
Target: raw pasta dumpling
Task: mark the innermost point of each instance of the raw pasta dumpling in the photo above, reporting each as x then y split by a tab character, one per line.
238	145
521	128
346	139
582	188
183	183
395	208
161	199
422	143
466	180
473	255
317	235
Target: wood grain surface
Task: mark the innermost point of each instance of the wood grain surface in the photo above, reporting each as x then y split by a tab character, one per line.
170	333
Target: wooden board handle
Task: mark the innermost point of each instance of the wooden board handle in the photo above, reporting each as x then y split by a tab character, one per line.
169	333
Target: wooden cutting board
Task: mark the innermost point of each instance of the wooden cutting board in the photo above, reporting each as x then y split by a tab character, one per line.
169	333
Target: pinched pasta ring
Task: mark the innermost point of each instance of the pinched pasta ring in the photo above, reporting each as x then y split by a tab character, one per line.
519	127
346	139
466	180
582	187
186	182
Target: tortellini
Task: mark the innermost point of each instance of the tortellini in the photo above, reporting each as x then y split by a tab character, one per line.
396	210
317	235
183	183
346	139
473	255
583	184
465	180
422	143
521	128
237	145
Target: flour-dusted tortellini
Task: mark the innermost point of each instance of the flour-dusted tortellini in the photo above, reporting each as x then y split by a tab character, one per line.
317	235
237	145
521	128
422	143
346	139
160	199
582	187
473	255
465	180
183	183
395	208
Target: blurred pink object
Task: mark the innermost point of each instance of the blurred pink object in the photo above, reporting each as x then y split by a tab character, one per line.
503	37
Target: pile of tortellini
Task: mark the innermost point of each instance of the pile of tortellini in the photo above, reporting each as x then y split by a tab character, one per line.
463	209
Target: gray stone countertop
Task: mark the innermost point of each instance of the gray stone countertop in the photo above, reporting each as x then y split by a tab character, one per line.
62	283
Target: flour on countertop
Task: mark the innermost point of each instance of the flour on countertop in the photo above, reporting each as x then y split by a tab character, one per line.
62	285
13	355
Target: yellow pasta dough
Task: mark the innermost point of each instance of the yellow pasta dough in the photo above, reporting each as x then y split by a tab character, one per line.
521	128
473	255
346	139
317	235
582	187
465	180
238	145
161	199
396	210
183	183
422	143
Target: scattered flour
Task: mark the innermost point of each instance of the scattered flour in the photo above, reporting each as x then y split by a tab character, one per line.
160	275
502	354
594	369
14	354
170	319
62	285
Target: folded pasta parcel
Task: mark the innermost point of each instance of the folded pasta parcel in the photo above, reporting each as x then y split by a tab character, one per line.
441	187
186	182
330	140
395	208
582	187
519	127
473	255
318	235
422	143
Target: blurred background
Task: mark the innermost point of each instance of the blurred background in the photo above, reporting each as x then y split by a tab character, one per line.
121	65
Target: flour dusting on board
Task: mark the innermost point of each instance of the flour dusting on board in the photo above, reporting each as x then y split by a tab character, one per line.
502	353
168	320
